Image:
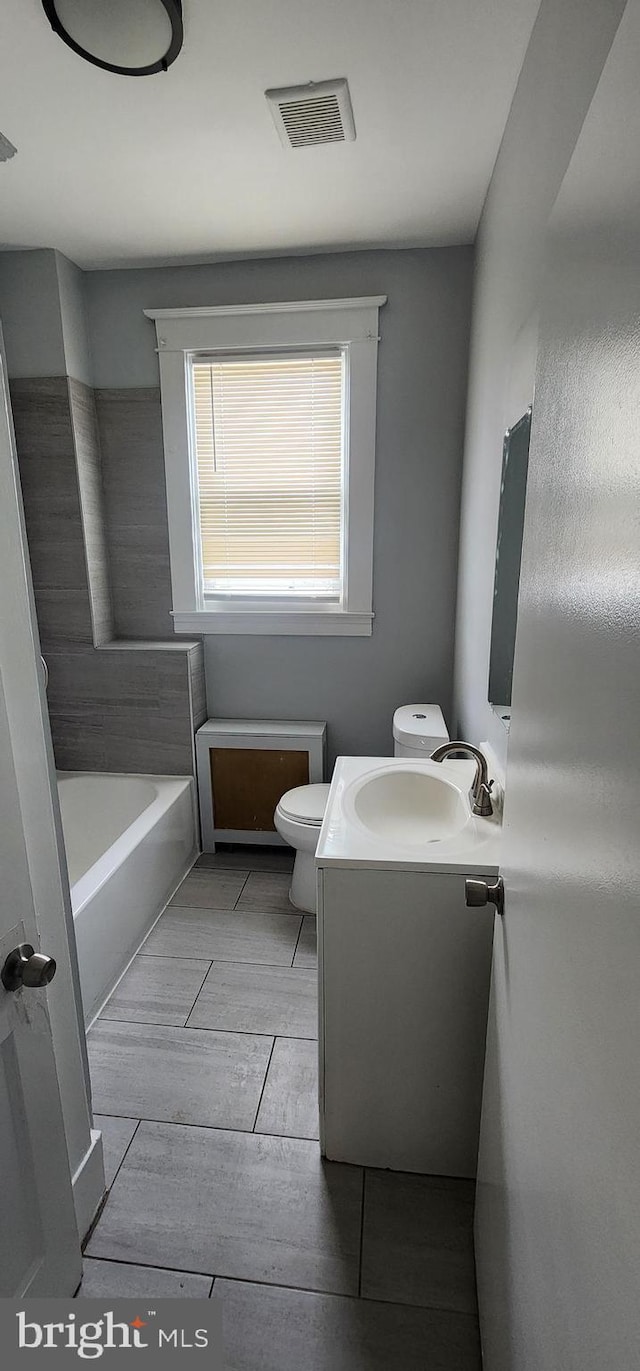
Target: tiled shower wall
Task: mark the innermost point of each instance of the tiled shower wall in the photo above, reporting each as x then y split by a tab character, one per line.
130	424
99	554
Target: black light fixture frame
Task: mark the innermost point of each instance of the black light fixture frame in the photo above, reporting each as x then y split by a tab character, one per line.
174	11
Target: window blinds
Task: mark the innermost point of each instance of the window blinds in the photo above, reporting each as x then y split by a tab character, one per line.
269	453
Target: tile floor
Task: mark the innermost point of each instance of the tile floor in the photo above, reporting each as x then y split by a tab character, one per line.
204	1075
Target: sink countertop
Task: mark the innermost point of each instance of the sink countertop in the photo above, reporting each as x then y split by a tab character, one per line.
347	843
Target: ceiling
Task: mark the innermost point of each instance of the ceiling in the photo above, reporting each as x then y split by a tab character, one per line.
187	165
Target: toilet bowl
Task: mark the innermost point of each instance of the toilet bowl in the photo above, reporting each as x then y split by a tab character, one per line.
298	819
417	731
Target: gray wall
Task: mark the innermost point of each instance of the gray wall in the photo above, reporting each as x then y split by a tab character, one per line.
562	66
74	321
43	315
352	683
31	313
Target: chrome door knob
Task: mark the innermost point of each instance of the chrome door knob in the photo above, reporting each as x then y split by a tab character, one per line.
24	967
481	893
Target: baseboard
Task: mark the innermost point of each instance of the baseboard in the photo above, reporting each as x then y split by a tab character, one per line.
89	1184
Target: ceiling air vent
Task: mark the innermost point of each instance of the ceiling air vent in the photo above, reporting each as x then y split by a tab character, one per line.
308	115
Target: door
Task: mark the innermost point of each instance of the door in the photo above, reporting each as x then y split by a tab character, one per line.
558	1208
39	1244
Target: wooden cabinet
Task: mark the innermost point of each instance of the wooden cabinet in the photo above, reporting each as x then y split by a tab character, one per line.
244	768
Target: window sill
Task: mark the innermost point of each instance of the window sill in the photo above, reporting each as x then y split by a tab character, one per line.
303	623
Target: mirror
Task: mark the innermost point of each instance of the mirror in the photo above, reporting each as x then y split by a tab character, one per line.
515	460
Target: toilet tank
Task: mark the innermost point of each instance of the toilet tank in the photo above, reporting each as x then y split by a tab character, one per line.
418	730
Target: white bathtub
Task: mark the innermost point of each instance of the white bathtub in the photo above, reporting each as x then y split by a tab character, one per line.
129	841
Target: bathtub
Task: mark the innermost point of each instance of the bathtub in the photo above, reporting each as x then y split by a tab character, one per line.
129	841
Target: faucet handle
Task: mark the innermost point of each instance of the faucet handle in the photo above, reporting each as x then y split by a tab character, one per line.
482	799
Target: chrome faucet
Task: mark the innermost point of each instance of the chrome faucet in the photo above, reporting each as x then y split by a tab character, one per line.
480	793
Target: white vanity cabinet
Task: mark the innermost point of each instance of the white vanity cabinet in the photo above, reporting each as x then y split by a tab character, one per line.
404	970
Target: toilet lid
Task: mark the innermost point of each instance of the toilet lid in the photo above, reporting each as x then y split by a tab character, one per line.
305	803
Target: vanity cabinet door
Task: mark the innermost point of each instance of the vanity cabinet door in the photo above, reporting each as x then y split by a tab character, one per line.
405	969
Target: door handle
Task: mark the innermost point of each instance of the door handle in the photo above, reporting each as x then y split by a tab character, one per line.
24	967
481	893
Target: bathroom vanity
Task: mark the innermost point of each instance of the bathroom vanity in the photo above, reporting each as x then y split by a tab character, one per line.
404	965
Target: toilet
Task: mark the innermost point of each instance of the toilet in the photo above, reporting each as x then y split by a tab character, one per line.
417	731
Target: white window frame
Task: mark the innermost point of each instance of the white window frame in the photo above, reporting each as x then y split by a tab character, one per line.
182	333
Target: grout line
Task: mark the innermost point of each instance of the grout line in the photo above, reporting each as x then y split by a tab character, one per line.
289	913
273	1043
248	877
227	961
229	1032
155	1266
364	1175
220	1276
275	1285
108	1188
340	1295
282	870
297	944
117	1116
224	1128
198	994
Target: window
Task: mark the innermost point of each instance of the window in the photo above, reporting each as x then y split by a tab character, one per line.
269	432
269	443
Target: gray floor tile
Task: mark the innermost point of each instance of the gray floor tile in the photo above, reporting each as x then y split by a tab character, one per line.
236	1204
203	889
177	1074
289	1104
156	990
216	935
307	949
120	1280
258	999
267	892
418	1241
248	859
274	1329
116	1136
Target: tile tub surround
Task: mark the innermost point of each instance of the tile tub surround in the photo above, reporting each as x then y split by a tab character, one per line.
104	714
50	491
317	1265
122	708
130	425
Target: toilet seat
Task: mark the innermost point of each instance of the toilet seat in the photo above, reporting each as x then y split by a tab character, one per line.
305	804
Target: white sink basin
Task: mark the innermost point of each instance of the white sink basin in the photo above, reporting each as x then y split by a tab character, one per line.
407	805
397	814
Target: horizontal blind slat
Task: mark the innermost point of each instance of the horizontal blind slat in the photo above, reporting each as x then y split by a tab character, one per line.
268	435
